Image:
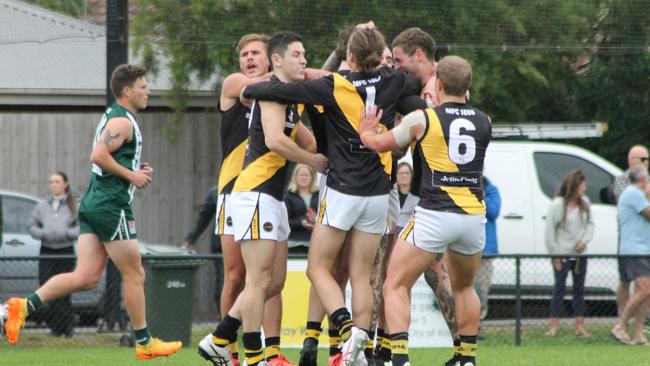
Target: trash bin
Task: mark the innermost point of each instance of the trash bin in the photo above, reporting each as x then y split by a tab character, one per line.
169	290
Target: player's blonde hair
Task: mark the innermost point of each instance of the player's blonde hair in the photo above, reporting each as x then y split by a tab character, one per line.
455	73
251	37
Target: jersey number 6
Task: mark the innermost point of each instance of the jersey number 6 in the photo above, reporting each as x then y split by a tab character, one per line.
462	148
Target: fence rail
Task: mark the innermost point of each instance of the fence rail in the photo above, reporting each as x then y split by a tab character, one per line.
518	302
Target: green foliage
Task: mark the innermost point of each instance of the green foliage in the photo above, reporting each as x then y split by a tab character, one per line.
525	54
616	87
75	8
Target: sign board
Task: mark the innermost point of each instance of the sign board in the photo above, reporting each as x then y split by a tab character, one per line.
428	327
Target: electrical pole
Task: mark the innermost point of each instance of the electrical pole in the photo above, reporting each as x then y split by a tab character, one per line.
117	40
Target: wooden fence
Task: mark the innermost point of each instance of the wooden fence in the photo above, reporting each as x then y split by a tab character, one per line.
35	144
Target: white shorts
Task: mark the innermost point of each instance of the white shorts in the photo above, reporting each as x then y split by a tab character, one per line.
437	231
224	225
258	216
344	211
322	183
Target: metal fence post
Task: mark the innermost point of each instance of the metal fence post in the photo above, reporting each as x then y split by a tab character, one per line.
518	301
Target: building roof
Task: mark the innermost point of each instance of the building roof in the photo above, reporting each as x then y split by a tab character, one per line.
48	58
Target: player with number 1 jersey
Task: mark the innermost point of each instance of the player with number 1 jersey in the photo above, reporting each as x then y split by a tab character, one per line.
355	199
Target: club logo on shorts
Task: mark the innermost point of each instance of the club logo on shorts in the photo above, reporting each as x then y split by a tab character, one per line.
268	227
229	221
131	227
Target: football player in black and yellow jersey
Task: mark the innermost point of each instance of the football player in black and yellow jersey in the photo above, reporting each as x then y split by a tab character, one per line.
260	220
254	67
451	140
414	53
355	199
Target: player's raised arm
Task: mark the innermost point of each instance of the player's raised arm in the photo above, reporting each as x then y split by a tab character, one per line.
117	132
320	91
233	86
411	129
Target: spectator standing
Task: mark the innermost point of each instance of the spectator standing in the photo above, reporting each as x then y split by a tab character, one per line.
406	199
302	203
634	224
638	155
207	215
569	227
54	223
484	274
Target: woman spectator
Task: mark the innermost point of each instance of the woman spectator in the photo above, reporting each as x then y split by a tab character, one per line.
302	203
569	227
407	201
54	223
404	178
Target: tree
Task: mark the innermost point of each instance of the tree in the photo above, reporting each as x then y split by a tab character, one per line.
75	8
518	49
615	89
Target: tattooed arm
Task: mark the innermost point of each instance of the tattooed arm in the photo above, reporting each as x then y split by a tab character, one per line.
117	131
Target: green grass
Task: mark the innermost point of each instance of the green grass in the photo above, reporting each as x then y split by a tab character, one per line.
588	355
497	349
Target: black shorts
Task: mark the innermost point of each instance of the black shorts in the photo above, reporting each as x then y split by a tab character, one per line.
634	268
622	275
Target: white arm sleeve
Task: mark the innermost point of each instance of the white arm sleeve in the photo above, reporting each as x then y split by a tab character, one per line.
402	132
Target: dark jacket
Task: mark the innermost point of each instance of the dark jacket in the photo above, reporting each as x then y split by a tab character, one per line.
55	229
297	211
492	208
206	217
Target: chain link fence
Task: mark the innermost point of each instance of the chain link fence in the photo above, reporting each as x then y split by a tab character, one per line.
181	301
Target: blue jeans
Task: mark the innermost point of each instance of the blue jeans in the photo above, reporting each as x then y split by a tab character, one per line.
578	268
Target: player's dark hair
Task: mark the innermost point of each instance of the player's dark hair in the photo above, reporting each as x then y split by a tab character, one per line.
367	46
342	45
279	43
455	73
125	75
413	38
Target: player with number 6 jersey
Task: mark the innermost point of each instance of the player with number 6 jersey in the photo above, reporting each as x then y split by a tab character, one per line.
450	141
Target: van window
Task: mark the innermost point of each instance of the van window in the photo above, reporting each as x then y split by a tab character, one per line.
552	167
16	214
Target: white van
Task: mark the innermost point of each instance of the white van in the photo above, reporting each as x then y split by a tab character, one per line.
528	175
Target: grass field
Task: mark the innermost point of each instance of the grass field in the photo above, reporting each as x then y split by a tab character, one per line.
497	349
589	355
